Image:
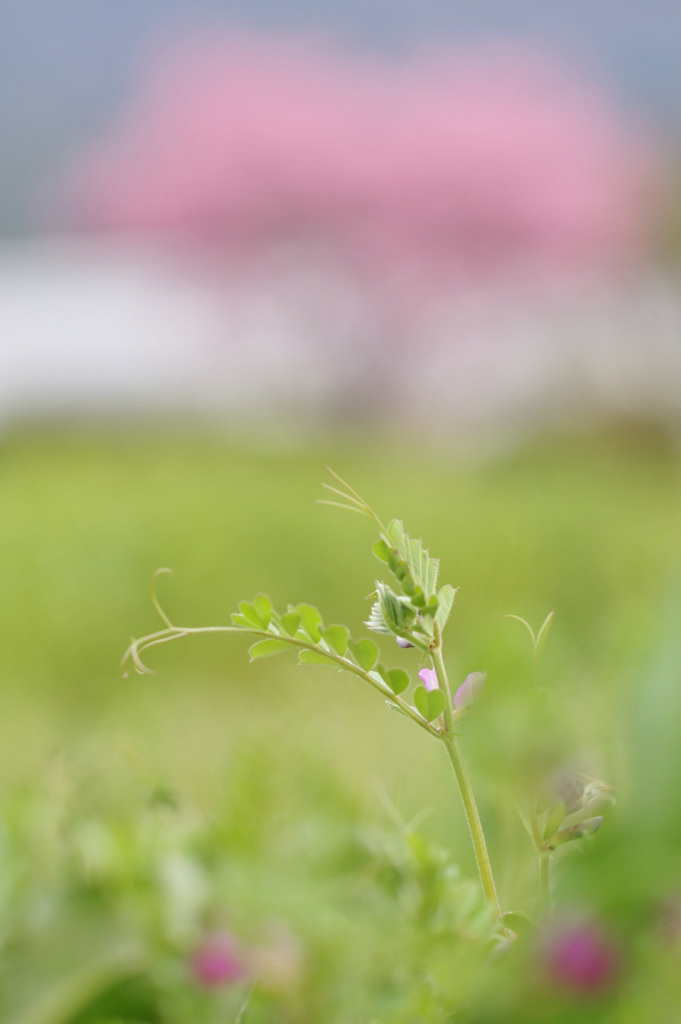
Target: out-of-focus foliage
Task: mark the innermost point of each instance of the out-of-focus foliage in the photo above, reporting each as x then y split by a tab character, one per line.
143	819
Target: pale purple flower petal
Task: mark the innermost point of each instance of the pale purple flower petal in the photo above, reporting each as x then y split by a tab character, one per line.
428	677
402	642
469	689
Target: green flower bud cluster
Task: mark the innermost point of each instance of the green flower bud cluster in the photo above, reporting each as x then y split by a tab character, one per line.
420	611
574	814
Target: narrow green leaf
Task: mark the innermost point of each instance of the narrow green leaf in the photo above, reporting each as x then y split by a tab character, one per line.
365	653
337	637
397	536
381	550
311	621
263	609
316	658
398	680
249	612
291	622
446	597
268	648
415	561
432	571
554	820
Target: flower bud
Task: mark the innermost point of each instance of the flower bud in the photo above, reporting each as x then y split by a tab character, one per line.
581	829
469	689
402	642
428	677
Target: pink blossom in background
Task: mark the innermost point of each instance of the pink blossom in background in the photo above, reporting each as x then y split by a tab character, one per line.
450	165
581	958
218	961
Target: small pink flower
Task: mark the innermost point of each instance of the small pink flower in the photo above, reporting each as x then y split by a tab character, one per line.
469	689
428	677
581	959
218	961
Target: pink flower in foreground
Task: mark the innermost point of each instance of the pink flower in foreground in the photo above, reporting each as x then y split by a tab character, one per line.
469	689
581	959
218	961
428	677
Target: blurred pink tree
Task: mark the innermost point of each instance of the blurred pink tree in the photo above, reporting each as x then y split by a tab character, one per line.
447	166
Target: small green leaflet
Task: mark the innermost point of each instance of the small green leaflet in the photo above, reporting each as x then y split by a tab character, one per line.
398	680
337	638
554	820
268	648
316	658
311	621
249	613
430	704
263	609
381	550
365	653
291	622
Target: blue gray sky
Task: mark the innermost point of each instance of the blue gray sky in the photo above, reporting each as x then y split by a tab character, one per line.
68	66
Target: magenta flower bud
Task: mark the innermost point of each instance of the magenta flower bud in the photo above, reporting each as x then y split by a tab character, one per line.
401	642
428	677
217	961
581	959
469	689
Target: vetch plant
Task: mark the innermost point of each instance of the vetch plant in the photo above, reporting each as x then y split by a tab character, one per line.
413	609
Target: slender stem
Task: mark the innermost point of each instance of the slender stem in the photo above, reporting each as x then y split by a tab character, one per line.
474	823
465	788
170	633
545	883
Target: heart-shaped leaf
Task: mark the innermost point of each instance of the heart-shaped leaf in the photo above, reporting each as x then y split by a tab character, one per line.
365	653
398	680
429	703
263	609
291	621
311	621
337	637
250	614
381	550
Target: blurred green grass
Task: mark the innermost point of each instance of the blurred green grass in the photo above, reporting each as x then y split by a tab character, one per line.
586	526
286	760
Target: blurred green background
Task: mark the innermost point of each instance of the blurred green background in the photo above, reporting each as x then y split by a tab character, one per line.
279	769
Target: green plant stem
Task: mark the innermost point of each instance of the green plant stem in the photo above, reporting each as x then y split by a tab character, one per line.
465	788
545	883
474	823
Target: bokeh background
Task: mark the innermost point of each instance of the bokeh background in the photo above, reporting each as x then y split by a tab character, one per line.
435	246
